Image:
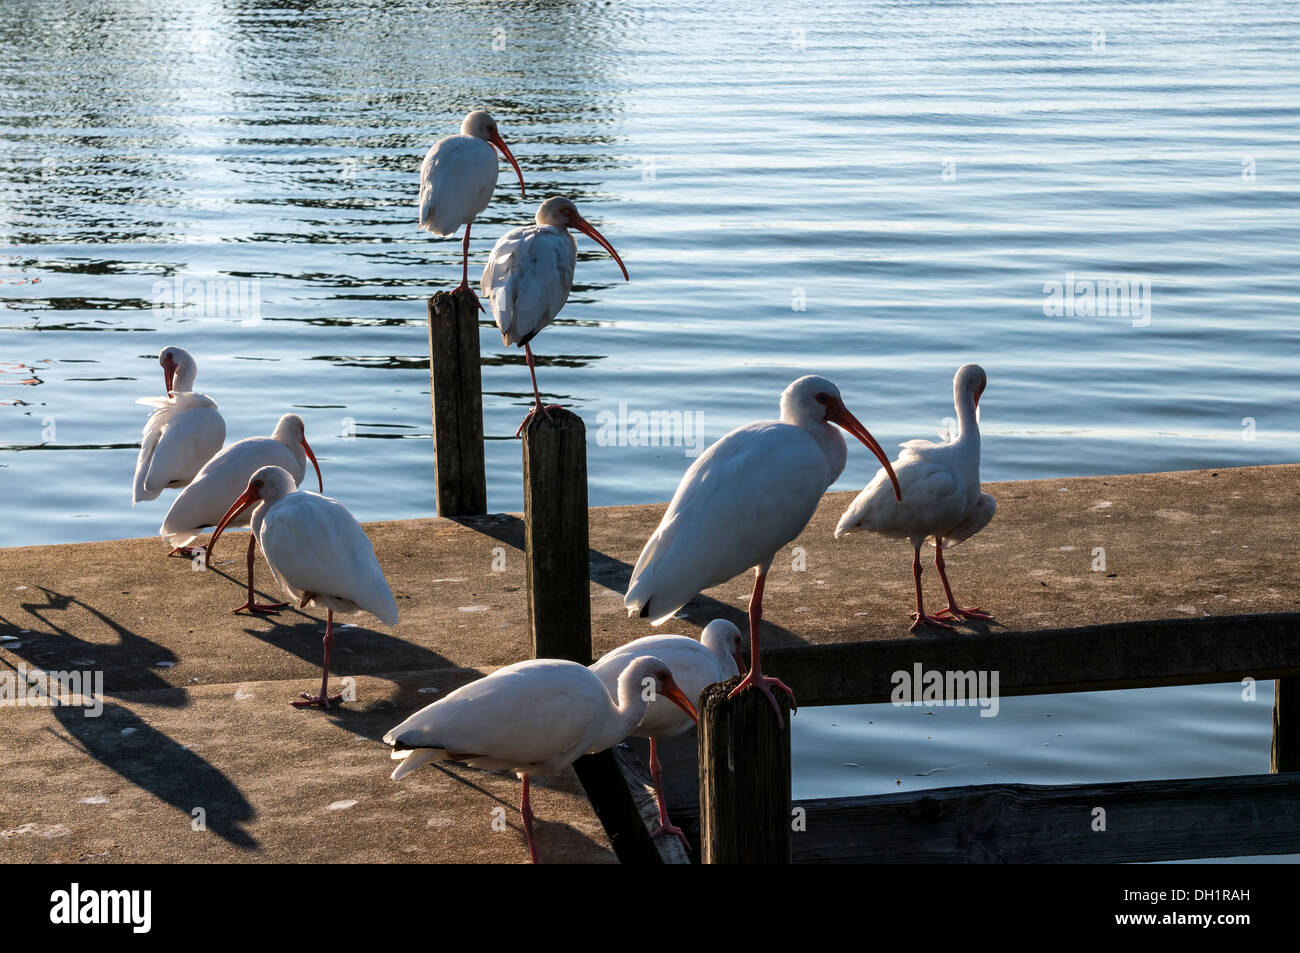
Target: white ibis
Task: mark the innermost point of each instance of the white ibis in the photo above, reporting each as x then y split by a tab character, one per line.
225	476
318	553
942	501
457	179
534	718
696	665
183	432
741	501
529	274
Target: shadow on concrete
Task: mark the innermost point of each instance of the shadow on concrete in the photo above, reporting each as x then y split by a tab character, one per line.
128	665
126	744
614	574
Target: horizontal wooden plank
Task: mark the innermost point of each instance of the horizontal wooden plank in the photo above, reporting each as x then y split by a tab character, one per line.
1093	658
1021	823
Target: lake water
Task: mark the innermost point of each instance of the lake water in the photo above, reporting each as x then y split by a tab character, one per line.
874	192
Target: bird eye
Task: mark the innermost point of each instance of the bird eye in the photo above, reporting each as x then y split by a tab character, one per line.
257	484
821	398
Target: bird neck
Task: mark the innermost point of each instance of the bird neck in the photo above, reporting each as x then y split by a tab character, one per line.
630	707
968	428
183	382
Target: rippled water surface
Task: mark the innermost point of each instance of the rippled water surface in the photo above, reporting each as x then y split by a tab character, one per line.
872	191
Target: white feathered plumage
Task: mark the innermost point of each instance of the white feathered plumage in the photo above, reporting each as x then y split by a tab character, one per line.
942	499
747	496
533	718
529	273
318	553
181	435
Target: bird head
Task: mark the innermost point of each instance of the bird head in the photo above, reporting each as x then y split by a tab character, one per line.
562	213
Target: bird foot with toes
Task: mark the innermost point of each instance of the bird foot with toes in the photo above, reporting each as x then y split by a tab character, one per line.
765	684
324	701
673	830
919	619
544	408
957	612
262	608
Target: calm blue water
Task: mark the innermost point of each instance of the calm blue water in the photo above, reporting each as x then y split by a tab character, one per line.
909	174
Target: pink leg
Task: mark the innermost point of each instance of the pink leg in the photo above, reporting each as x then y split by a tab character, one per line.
265	608
919	617
537	395
665	826
324	699
952	609
464	268
526	809
756	676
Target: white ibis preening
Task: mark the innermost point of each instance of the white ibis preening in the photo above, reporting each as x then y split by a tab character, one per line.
457	179
225	476
942	500
529	274
743	499
183	432
533	718
695	665
318	553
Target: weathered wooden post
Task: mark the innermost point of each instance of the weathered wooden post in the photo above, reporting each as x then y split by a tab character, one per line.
456	386
1286	726
557	555
744	777
556	548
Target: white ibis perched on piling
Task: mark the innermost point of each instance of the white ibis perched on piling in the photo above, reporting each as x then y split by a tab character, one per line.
534	718
225	476
741	501
695	665
183	432
942	500
318	553
457	179
529	274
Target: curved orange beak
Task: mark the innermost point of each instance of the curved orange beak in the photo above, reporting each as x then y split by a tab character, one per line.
674	693
169	373
320	480
246	499
836	412
740	659
500	143
584	226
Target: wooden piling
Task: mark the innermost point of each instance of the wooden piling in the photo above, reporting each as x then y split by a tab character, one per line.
556	548
456	387
558	573
745	810
1286	726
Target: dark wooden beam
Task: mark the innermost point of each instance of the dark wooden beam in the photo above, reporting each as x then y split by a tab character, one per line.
1088	658
1021	823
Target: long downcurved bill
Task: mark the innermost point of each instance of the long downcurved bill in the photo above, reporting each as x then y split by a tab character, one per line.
839	414
246	499
584	226
169	374
320	480
673	692
500	143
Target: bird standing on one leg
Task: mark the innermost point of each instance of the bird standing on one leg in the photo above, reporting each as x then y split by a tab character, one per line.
741	501
942	500
529	274
318	553
457	179
181	435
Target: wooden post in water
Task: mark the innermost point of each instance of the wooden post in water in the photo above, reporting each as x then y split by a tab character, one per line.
1286	726
556	548
456	386
745	813
557	555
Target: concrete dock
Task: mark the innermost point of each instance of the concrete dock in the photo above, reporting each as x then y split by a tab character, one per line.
197	712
